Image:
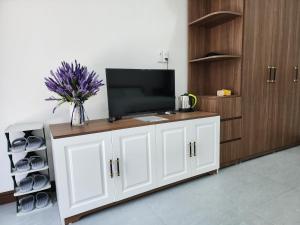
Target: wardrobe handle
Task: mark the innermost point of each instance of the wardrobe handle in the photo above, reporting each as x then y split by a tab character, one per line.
118	167
191	155
296	74
195	151
270	68
111	169
275	73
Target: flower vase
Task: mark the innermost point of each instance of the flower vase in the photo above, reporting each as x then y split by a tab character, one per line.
77	113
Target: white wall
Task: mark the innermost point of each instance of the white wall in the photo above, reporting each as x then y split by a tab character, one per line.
35	35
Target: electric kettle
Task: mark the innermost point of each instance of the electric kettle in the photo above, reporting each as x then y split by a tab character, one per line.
187	102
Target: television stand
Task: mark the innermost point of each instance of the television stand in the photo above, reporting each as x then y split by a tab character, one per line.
135	151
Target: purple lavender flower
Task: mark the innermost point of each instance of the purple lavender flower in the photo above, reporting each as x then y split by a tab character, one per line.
72	83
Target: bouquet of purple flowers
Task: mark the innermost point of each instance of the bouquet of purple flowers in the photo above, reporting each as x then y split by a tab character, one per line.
73	83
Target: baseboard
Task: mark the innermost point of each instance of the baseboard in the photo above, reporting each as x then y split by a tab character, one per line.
258	155
8	197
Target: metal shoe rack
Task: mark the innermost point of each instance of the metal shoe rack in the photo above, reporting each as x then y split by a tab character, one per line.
28	129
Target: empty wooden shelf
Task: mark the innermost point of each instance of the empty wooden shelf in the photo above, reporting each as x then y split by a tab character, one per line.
215	58
216	18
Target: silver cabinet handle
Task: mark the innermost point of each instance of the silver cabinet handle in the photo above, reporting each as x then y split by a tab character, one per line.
195	150
272	74
191	154
270	68
111	169
296	74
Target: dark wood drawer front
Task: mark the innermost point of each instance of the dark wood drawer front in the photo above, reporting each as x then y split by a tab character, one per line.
230	153
231	130
230	108
226	107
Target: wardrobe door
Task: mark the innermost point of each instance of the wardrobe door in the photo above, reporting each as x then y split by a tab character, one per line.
259	31
289	88
296	78
279	62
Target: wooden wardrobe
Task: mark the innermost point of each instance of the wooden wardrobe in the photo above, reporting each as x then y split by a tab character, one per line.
258	46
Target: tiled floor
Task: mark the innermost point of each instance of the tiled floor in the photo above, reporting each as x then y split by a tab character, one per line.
264	191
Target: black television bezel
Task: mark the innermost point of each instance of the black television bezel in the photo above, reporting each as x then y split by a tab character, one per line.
113	117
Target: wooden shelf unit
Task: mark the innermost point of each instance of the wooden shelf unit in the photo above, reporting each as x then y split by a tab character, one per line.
217	26
215	18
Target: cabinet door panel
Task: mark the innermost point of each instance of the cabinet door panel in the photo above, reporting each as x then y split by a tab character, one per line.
82	172
206	145
172	143
135	149
288	85
280	58
296	95
82	160
260	30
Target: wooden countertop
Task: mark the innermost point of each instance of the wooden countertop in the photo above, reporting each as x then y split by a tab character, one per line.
64	130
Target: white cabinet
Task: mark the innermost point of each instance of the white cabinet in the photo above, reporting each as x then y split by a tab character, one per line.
98	169
172	144
205	145
187	149
82	172
134	155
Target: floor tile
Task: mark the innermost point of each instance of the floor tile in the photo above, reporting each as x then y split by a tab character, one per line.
240	217
283	210
187	207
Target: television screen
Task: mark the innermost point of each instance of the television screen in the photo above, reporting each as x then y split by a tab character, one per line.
135	91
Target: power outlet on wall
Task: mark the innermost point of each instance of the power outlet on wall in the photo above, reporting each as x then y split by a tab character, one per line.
163	57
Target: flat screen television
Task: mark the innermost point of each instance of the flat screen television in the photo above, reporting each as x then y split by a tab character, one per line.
137	91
